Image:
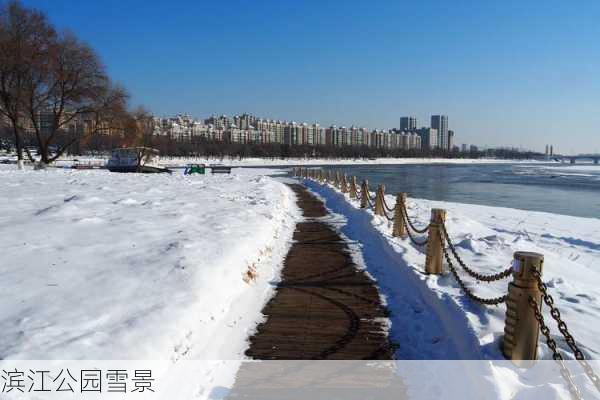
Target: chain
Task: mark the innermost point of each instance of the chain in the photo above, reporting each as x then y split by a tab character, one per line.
480	277
409	223
562	327
385	213
556	356
369	200
411	237
491	302
386	205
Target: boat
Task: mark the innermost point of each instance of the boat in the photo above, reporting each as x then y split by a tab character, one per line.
135	159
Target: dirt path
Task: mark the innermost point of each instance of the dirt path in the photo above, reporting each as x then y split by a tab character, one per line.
324	307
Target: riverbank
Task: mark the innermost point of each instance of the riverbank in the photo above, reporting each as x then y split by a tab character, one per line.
485	238
127	266
273	162
278	162
109	266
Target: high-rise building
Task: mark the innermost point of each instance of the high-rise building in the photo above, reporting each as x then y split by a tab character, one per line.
429	138
408	124
450	140
440	123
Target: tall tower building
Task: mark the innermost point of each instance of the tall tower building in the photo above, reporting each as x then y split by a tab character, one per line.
408	124
440	123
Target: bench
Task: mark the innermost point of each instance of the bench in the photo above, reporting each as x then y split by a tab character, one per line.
220	169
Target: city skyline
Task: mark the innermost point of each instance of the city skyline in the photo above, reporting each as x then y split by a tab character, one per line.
508	74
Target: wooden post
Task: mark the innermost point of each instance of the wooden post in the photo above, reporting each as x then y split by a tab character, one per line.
364	194
379	210
521	328
336	181
329	176
399	229
434	258
353	190
344	184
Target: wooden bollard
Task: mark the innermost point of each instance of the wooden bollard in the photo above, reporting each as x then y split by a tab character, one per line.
364	194
521	328
353	189
434	258
399	229
379	210
344	184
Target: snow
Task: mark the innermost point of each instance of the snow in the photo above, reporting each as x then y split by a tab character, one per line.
276	162
486	238
267	162
101	266
97	265
432	319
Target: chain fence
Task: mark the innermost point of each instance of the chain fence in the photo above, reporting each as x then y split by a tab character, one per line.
411	224
480	277
451	256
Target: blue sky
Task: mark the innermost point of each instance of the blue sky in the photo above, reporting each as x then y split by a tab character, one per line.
506	73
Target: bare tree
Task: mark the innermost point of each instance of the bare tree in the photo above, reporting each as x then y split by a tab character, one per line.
70	85
139	133
25	39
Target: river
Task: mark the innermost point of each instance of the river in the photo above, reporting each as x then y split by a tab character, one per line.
554	188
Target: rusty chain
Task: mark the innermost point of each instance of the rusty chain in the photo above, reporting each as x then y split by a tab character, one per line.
562	327
410	235
390	209
480	277
491	302
409	222
556	356
385	213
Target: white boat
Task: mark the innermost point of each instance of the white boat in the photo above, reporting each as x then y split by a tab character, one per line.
135	159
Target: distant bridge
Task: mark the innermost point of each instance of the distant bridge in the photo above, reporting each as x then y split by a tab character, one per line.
581	157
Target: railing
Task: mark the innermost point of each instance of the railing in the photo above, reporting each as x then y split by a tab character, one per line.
525	294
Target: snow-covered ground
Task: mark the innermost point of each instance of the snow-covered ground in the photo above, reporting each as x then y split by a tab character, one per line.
98	265
275	162
267	162
431	318
125	266
486	238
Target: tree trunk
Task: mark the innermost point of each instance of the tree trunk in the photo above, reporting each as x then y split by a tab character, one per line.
19	147
40	166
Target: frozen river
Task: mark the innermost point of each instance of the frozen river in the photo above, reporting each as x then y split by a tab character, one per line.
554	188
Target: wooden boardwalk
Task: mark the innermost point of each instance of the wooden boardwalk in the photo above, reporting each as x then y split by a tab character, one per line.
324	307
